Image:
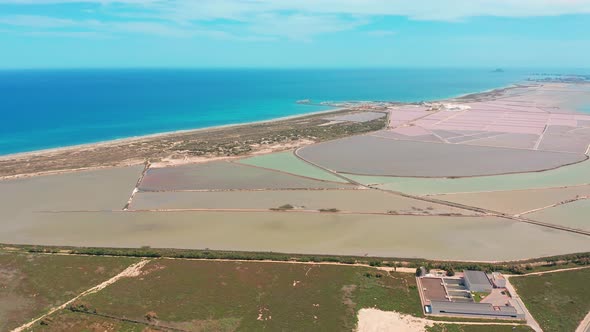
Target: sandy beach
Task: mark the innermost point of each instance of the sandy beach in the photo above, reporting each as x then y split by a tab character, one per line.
134	139
217	143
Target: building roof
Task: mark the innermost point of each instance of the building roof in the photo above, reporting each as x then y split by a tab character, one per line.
472	308
476	277
433	289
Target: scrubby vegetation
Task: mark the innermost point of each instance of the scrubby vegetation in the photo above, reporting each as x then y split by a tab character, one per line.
229	141
67	320
559	300
331	210
313	132
154	298
187	293
30	284
285	207
81	307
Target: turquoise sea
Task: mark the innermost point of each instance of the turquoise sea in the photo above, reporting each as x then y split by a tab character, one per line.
54	108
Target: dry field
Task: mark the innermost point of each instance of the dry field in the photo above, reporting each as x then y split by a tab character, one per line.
31	284
558	301
68	321
229	296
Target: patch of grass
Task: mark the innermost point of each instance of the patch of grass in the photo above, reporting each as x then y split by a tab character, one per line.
558	301
477	328
478	296
68	321
31	284
389	292
256	296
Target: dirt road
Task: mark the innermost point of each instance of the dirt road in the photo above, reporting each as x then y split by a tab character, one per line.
585	324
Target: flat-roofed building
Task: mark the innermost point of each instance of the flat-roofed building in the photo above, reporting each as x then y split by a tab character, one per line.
481	310
477	281
498	280
433	289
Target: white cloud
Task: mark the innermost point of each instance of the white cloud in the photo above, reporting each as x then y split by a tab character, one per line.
67	34
36	21
417	9
150	28
263	20
300	26
381	33
45	26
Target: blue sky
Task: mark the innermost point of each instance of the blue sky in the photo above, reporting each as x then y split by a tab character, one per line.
294	33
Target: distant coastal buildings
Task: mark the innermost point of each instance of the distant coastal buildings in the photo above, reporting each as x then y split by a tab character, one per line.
446	107
559	78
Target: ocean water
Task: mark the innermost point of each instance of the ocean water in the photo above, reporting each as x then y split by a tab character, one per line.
43	109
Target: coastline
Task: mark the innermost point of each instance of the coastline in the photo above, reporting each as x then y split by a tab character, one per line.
139	138
133	139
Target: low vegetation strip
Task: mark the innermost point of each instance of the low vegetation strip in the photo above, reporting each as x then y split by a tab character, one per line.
511	267
558	301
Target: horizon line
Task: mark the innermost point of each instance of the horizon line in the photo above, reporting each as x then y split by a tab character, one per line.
286	67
